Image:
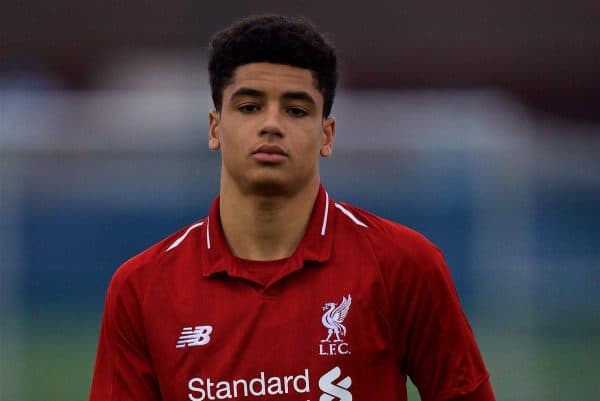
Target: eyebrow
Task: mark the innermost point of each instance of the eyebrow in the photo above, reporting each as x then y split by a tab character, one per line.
300	95
247	92
297	95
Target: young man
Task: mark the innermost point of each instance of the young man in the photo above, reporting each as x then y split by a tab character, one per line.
281	293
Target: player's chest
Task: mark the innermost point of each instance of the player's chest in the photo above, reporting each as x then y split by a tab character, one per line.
323	320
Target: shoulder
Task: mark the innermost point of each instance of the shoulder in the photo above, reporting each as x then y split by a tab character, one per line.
139	271
392	242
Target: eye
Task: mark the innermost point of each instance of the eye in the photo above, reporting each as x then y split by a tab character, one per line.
297	112
248	108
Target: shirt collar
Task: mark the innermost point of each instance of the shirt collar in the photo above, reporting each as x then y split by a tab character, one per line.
315	245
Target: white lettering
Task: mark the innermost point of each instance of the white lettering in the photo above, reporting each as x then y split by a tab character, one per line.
201	389
274	386
343	349
287	380
192	387
223	390
303	378
235	387
331	349
209	385
261	382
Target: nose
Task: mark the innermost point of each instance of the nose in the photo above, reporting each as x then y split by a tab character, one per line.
271	125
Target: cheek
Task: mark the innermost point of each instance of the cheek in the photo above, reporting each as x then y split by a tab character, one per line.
316	138
227	136
310	146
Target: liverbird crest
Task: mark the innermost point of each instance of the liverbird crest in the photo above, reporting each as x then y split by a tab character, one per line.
334	316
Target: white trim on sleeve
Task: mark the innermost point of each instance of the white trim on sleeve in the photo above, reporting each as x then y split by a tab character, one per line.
350	215
179	240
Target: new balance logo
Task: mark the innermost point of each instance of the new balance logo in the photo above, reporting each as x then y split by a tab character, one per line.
193	337
335	392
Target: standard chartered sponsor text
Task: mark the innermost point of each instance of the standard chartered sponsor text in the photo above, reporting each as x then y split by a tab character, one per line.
201	389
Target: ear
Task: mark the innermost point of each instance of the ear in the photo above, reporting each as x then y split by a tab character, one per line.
214	117
328	134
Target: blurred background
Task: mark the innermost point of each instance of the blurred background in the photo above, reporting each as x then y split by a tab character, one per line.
476	123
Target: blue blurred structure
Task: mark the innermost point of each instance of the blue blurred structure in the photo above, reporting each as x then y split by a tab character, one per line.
90	179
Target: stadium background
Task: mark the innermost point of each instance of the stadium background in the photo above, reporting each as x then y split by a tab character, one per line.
476	124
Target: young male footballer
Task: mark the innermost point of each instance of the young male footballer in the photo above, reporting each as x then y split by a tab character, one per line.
281	292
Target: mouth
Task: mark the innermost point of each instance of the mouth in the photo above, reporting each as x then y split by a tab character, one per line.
269	154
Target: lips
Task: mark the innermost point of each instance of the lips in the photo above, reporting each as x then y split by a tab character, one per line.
270	149
269	153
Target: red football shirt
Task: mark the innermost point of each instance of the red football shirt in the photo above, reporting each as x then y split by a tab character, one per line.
362	303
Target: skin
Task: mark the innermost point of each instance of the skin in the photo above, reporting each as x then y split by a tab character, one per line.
270	133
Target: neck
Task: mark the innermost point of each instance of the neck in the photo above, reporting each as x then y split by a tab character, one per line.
265	227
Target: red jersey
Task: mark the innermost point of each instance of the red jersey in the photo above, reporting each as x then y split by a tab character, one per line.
360	305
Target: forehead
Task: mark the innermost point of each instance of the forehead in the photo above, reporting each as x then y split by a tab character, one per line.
270	77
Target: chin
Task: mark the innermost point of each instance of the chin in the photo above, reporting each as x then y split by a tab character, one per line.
271	183
274	185
271	188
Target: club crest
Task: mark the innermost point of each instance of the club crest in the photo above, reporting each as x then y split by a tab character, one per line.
333	320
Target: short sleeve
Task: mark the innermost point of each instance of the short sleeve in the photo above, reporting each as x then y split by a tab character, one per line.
442	357
123	369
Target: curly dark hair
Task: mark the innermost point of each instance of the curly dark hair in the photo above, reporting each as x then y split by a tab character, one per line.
274	39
